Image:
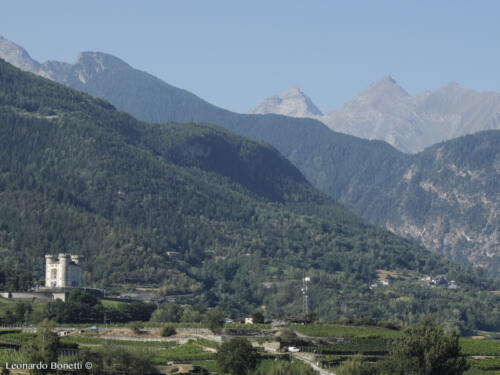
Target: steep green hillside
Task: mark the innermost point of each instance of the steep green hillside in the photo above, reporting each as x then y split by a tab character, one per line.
77	175
369	177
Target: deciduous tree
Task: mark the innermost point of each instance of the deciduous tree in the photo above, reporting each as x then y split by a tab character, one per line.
425	348
214	320
236	357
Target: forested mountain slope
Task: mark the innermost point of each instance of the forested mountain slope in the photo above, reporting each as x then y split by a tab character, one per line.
367	176
76	175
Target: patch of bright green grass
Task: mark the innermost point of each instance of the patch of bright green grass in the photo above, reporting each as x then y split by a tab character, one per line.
16	338
187	352
207	343
11	356
337	330
479	347
91	341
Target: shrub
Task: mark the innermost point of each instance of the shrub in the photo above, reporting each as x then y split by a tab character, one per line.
136	327
168	331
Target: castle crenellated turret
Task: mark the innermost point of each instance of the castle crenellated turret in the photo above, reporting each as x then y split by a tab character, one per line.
50	267
63	271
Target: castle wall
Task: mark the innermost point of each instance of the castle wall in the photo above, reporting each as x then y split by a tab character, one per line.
75	276
25	295
63	271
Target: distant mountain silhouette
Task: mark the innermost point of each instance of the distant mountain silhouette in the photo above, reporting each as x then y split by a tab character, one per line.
385	111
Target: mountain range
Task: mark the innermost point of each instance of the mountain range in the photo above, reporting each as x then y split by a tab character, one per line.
446	197
243	223
385	111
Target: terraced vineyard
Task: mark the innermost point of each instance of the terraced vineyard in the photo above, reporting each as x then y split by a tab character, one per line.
329	344
373	343
482	355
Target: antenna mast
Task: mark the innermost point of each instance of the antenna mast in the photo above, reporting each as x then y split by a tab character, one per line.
305	296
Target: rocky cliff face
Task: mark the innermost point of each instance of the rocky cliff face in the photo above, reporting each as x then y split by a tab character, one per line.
449	200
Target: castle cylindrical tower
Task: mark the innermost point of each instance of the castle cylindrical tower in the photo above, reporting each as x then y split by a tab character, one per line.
50	259
64	260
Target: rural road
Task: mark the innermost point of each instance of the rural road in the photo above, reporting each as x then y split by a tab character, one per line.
309	359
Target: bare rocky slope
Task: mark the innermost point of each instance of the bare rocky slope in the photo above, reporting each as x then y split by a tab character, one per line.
385	111
446	197
293	102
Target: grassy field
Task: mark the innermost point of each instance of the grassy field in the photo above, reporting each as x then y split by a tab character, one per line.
480	347
362	345
16	337
187	352
92	341
207	343
266	366
11	356
337	330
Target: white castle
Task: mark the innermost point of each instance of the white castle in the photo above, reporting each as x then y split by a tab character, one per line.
63	271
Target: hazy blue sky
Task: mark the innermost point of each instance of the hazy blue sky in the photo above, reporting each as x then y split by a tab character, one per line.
236	53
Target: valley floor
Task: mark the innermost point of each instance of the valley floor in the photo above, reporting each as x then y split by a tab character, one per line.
192	349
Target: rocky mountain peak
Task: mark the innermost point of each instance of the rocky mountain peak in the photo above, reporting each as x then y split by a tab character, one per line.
17	56
99	60
89	63
387	87
293	102
452	88
292	92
